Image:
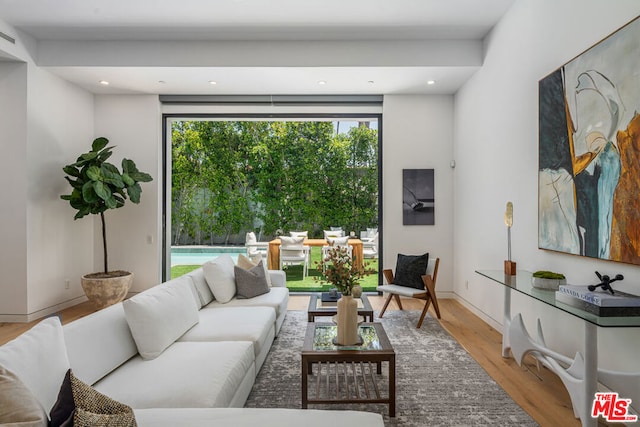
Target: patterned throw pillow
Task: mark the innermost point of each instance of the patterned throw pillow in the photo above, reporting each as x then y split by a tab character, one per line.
87	407
410	269
94	409
250	282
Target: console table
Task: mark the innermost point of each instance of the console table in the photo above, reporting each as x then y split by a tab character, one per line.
579	375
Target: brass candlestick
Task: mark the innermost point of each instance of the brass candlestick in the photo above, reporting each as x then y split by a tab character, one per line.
509	266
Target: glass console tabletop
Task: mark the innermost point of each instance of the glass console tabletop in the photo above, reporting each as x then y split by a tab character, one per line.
521	282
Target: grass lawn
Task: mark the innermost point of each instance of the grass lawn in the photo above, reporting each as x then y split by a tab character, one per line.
294	275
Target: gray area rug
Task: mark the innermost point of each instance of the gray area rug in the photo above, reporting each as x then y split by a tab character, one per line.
437	381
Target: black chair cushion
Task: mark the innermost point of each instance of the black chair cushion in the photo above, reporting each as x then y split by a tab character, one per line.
410	269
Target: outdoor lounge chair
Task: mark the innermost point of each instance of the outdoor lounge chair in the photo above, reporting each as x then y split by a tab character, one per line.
254	247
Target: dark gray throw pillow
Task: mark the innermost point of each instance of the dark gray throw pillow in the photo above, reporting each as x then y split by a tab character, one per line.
410	269
250	283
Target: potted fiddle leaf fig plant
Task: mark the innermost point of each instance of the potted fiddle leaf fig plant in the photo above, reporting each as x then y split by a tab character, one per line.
98	186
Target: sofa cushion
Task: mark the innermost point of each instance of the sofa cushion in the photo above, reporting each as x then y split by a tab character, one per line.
278	278
204	292
159	316
250	282
39	358
18	406
253	324
99	343
220	277
186	375
277	298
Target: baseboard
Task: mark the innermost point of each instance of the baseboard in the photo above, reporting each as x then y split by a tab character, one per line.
29	317
445	295
475	310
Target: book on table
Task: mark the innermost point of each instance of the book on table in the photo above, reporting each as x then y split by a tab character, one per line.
596	309
600	303
329	300
601	298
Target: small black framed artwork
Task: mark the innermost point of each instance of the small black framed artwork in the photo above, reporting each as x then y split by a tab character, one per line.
418	197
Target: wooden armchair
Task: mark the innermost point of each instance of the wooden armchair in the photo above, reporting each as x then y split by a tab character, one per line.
428	293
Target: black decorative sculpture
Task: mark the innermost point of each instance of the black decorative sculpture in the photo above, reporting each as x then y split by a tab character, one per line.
605	282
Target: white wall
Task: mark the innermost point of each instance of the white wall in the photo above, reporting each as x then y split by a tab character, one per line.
44	123
60	128
133	124
13	227
496	148
418	134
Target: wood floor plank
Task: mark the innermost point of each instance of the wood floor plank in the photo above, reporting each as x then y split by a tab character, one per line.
542	394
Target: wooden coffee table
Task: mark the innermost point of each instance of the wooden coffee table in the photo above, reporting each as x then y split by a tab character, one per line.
316	309
346	374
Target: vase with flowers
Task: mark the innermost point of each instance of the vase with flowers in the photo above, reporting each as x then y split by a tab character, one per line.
343	272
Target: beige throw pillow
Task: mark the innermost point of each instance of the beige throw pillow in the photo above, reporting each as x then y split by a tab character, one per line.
17	405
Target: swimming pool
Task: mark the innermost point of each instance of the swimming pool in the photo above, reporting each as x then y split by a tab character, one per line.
198	255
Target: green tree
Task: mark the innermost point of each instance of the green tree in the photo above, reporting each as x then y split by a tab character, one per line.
230	177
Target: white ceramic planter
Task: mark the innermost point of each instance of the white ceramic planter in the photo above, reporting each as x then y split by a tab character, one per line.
550	284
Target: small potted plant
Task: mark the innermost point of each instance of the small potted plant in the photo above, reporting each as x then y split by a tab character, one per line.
547	280
344	273
98	186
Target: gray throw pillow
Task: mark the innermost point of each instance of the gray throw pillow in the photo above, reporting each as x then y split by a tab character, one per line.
410	269
250	283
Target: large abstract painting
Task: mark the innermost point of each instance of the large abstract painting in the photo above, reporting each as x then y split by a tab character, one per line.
589	152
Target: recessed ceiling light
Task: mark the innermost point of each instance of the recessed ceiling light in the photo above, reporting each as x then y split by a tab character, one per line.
212	82
322	82
371	82
431	82
161	82
104	82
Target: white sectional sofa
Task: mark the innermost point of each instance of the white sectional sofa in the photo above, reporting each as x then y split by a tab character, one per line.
172	353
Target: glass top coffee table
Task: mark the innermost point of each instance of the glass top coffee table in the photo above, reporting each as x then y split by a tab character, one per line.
346	374
318	309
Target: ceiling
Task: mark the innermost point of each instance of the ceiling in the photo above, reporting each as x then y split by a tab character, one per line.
58	24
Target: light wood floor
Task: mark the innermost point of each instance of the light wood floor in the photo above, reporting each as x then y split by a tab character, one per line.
541	394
